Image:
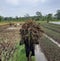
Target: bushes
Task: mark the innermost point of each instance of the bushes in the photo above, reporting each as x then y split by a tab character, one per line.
51	50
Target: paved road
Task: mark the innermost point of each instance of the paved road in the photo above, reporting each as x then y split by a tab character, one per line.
39	54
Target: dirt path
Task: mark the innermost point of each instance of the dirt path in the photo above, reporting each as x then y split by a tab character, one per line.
14	28
39	54
52	40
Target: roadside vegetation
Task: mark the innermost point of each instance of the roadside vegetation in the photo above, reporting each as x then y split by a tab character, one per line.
38	17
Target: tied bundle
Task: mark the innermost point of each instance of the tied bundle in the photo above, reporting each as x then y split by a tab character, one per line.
32	31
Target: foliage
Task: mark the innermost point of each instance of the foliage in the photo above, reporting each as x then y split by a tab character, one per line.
39	15
49	17
57	15
1	18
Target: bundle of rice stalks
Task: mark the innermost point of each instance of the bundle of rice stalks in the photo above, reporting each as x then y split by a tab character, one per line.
32	31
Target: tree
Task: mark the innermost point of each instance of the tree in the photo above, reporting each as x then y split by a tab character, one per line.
49	17
39	15
27	16
16	17
1	18
57	15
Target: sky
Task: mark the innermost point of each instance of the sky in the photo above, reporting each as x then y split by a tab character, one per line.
12	8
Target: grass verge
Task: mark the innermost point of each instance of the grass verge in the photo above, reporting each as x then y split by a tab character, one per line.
20	55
